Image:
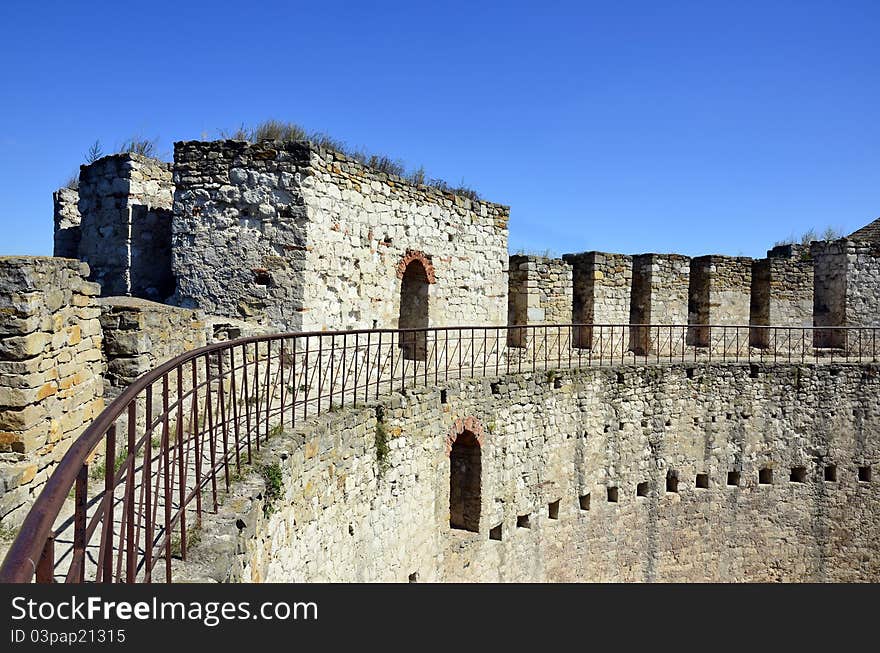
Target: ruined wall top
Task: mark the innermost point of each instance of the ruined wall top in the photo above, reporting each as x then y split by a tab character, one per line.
188	154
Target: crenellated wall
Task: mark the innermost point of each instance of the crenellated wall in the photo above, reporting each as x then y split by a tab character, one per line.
319	240
668	473
51	369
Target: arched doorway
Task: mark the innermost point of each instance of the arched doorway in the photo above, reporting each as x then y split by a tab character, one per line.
465	474
414	310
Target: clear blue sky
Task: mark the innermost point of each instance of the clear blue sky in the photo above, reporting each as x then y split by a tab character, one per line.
697	127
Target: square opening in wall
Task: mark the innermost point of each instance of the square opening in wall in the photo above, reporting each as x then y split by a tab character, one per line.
584	501
733	478
262	277
831	473
765	476
798	475
612	495
443	396
495	533
702	481
642	489
672	482
865	474
553	509
522	521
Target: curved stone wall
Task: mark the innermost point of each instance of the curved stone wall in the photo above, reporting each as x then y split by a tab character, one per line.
672	473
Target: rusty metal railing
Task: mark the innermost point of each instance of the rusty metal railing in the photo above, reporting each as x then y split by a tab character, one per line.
126	496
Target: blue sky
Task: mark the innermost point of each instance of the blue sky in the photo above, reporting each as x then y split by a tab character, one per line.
692	127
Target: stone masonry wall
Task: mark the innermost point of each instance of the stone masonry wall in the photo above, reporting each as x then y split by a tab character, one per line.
50	371
667	473
602	284
67	219
139	335
719	294
847	288
362	224
125	202
782	293
539	292
659	296
319	240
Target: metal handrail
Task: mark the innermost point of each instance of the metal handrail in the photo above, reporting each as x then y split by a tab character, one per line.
218	403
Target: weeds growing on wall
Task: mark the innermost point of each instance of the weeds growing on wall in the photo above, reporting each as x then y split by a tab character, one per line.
96	151
276	430
809	236
272	477
276	130
193	537
382	448
143	146
546	253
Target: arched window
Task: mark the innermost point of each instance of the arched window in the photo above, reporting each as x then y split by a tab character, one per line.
414	310
465	471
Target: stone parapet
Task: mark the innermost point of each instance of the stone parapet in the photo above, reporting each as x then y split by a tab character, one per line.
51	368
139	335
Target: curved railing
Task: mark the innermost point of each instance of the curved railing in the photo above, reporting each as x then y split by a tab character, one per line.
122	503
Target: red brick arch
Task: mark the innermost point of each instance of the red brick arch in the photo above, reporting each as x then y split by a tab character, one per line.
461	425
415	255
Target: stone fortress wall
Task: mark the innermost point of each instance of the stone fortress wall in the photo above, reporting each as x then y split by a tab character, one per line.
322	242
236	238
666	473
293	236
834	283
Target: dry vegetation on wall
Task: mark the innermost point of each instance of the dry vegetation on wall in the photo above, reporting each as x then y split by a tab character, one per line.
830	233
276	130
134	145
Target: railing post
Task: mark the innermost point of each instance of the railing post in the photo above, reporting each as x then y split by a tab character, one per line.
105	555
46	565
129	495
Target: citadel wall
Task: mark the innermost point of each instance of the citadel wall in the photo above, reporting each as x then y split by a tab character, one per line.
50	371
322	242
628	474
